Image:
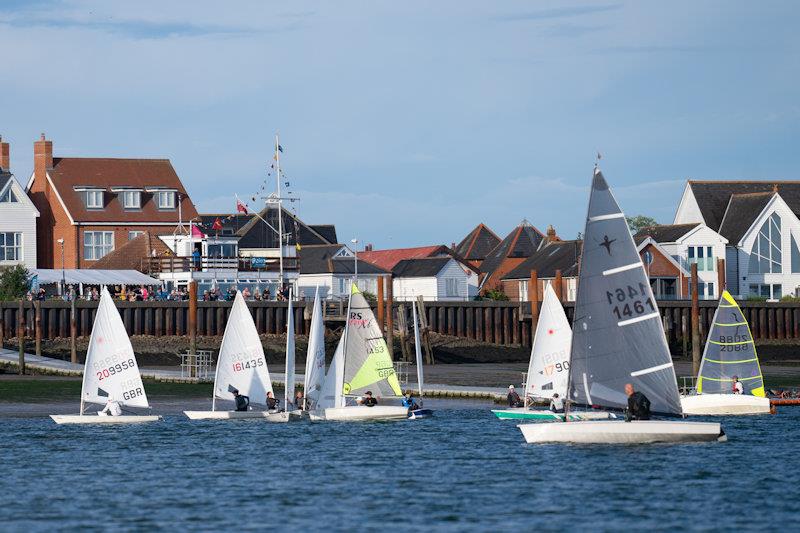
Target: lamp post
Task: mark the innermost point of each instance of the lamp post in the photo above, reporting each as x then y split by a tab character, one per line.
355	259
63	276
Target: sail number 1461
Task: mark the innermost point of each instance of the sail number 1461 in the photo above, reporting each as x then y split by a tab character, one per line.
630	301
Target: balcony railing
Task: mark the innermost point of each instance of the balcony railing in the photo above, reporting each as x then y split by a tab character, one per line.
172	264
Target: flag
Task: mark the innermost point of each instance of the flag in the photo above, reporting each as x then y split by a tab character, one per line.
280	148
196	232
298	247
217	224
240	207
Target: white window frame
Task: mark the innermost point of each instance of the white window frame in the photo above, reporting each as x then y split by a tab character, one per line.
133	234
165	199
15	247
9	197
132	199
94	199
101	243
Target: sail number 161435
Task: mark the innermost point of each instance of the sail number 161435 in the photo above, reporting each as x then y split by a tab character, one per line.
630	301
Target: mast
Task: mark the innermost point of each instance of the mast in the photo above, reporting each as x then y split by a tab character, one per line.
280	208
340	382
417	349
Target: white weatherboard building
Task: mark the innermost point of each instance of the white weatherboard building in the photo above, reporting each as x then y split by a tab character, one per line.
433	278
332	267
17	224
760	222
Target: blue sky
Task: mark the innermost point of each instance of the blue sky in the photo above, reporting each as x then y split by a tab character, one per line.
407	123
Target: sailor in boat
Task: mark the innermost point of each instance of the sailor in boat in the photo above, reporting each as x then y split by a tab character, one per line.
409	402
737	386
299	400
112	408
556	404
368	400
272	402
513	398
242	401
638	405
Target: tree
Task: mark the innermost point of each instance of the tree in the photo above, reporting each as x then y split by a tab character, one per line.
14	283
639	222
496	294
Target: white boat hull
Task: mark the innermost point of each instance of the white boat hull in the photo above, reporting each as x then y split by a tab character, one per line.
102	419
620	432
242	415
522	413
725	404
360	412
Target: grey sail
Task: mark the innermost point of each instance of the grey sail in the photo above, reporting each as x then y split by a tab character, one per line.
617	334
729	352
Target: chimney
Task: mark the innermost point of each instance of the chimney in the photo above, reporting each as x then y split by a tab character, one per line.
5	160
551	233
42	156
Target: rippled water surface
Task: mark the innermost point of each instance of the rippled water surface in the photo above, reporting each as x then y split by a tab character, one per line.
461	470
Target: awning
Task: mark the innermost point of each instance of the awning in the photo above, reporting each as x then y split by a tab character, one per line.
90	276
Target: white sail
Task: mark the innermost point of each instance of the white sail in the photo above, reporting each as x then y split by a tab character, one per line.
331	393
417	348
111	370
315	356
290	355
548	370
241	364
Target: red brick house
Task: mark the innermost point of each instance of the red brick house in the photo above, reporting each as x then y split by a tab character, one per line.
668	279
477	245
98	204
519	245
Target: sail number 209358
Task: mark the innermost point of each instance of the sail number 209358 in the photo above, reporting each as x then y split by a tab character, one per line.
630	301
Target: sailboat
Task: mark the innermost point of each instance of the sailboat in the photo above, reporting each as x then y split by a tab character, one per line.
361	363
293	411
421	412
110	372
314	377
617	339
730	351
548	369
242	367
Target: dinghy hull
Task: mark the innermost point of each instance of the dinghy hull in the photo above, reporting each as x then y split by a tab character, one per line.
97	419
619	432
239	415
725	404
530	414
361	413
416	414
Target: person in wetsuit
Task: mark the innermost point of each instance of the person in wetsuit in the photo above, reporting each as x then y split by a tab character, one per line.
513	398
409	402
242	401
556	404
638	405
272	401
369	401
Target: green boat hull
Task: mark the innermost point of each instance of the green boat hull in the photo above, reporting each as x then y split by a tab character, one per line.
528	414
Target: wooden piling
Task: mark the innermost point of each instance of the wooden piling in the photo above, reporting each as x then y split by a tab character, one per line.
21	335
73	333
389	316
381	304
558	286
721	275
695	323
37	310
192	328
533	296
2	325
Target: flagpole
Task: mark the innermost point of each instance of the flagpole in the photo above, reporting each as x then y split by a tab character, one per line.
280	209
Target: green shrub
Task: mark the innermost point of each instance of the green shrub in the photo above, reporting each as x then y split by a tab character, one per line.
756	298
14	283
496	294
790	298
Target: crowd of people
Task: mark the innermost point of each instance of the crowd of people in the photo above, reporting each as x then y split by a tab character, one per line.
145	293
217	294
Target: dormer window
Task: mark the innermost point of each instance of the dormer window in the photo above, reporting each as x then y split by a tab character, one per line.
165	199
132	199
9	197
94	199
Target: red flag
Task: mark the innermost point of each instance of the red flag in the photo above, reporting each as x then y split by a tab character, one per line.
196	232
240	207
217	224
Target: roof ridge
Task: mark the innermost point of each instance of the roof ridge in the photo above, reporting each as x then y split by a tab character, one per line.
797	182
159	159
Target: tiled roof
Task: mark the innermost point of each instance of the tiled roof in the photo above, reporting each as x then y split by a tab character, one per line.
387	259
713	196
130	255
256	234
319	259
522	242
559	255
664	232
742	211
420	268
326	230
477	244
70	172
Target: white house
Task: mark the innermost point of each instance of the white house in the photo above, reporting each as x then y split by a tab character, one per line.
433	278
332	267
760	222
17	224
686	244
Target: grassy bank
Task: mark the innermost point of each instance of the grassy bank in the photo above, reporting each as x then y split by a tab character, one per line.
32	390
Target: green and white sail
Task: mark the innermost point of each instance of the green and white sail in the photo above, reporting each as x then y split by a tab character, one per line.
367	364
729	352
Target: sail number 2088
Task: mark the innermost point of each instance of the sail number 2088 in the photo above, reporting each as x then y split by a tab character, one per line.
630	301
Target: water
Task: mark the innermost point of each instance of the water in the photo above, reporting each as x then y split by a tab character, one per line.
462	470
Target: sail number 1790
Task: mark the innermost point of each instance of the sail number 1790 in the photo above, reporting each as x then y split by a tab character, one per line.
630	301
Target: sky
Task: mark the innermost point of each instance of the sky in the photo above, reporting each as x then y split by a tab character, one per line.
408	123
